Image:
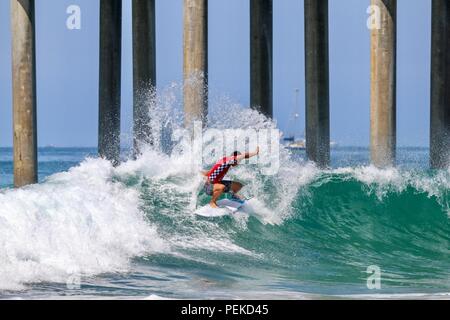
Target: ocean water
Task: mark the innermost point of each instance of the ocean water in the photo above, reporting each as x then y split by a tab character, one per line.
89	230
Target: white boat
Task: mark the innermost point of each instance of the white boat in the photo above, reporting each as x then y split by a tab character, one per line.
290	140
297	145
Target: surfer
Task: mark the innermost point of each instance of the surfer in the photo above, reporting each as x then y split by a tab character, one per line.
215	186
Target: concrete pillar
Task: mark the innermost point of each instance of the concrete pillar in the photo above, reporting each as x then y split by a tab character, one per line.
261	53
110	79
144	69
317	82
195	48
24	92
440	85
383	86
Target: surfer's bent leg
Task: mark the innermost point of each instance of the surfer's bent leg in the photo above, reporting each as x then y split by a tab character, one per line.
218	189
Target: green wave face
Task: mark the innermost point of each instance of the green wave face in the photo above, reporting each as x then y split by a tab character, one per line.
334	228
405	233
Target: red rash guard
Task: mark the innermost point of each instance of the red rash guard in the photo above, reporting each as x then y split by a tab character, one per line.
220	169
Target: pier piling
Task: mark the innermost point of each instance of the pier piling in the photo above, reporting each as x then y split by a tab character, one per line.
110	79
144	69
195	49
24	92
317	82
383	86
440	85
261	56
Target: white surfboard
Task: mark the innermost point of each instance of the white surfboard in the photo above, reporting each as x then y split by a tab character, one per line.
226	207
252	207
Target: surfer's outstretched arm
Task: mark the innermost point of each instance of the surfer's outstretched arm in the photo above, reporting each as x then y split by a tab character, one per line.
248	155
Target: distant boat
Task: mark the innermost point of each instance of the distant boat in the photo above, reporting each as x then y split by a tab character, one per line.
290	140
301	145
297	145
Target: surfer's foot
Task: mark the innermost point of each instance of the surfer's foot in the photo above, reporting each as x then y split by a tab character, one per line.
214	205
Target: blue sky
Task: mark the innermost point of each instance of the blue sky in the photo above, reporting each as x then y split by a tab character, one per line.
67	66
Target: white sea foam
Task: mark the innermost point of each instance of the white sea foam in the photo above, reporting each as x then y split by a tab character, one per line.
78	222
179	173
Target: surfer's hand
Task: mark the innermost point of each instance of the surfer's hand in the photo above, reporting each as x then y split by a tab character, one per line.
249	154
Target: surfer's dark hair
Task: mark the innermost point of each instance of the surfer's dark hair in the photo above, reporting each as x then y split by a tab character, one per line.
236	153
